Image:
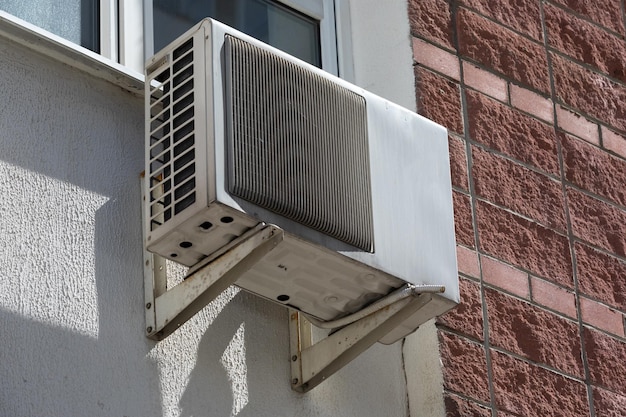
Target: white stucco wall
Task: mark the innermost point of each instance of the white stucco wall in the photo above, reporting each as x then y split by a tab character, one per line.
71	287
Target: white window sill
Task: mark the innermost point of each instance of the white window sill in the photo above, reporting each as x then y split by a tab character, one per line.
64	51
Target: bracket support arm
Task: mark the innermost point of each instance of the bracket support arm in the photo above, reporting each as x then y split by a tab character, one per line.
166	310
312	363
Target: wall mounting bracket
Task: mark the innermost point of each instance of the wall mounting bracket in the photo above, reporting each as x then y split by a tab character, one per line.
312	363
167	309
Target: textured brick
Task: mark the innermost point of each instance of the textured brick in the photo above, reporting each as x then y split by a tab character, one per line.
467	261
505	277
554	297
601	316
607	403
484	81
467	317
512	133
431	19
532	103
518	188
598	222
607	13
527	390
586	42
458	162
525	244
590	92
601	276
463	226
536	334
613	142
439	99
522	15
593	169
503	50
605	356
464	367
457	406
577	125
436	58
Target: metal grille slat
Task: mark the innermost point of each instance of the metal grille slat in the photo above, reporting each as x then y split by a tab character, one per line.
171	137
298	144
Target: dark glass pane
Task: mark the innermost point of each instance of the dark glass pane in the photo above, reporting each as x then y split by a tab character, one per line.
75	20
268	21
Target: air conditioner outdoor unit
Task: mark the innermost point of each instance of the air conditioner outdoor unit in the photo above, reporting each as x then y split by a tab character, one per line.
239	133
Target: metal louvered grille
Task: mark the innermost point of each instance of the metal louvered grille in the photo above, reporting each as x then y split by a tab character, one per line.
171	164
298	144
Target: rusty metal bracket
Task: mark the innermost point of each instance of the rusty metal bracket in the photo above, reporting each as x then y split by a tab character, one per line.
167	309
312	363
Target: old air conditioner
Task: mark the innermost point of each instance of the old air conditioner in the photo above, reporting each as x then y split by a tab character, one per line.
239	133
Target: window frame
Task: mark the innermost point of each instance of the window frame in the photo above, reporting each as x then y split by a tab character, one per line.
321	10
125	31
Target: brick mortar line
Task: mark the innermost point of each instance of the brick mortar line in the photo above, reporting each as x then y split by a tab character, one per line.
450	331
583	17
473	199
540	365
460	190
508	79
546	367
598	197
534	303
433	43
523	164
585	65
521	215
623	7
467	398
454	15
533	274
565	105
470	278
581	330
502	24
536	170
603	251
512	159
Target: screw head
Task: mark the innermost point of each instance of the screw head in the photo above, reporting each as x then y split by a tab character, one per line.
294	381
294	358
148	305
149	329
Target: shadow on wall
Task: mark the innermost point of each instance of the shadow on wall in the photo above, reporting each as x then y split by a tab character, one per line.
71	293
230	380
71	319
54	370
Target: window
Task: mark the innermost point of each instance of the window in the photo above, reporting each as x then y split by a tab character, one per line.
130	31
75	20
268	21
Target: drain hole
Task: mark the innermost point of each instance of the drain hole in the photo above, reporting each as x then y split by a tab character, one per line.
206	225
185	244
282	297
226	219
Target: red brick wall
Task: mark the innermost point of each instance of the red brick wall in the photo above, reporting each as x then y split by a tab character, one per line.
533	93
